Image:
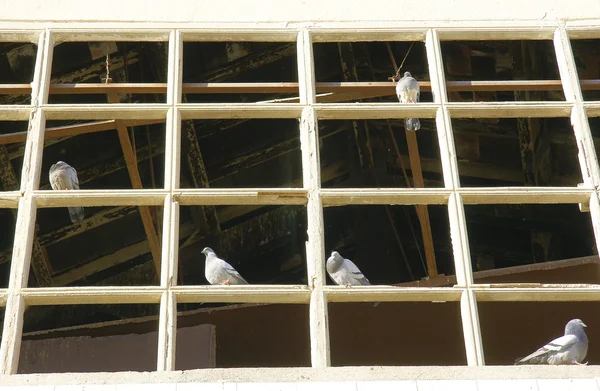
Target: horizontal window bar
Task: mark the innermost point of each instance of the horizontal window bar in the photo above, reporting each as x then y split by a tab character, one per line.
584	31
509	109
104	35
92	295
390	293
375	110
10	35
367	34
9	199
15	113
592	109
493	33
402	196
293	294
240	35
239	110
526	195
106	111
240	197
537	292
133	197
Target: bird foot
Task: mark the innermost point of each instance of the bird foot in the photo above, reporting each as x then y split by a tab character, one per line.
226	282
348	285
583	364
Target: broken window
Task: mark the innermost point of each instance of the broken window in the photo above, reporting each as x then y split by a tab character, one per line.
275	148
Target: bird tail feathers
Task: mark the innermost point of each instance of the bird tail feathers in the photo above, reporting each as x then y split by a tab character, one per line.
76	214
413	124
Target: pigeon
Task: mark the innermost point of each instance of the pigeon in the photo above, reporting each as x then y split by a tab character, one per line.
569	349
407	90
219	272
64	177
344	272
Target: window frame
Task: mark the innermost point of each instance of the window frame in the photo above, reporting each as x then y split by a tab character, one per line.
17	296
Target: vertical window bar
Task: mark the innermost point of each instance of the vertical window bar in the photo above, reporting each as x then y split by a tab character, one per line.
456	213
581	127
309	143
24	232
167	329
588	161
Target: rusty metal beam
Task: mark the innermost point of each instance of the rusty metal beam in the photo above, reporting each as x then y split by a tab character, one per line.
136	182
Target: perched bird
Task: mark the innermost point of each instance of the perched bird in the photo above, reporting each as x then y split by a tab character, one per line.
407	90
571	348
219	272
64	177
344	272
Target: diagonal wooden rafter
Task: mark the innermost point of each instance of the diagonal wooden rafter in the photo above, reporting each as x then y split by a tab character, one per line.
136	182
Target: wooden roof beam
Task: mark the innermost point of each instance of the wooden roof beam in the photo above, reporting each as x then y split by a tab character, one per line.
136	182
355	87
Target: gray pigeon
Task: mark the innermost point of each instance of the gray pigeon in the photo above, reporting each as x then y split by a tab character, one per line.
64	177
571	348
408	91
219	272
344	272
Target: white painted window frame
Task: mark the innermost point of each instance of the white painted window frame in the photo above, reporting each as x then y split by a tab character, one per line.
17	296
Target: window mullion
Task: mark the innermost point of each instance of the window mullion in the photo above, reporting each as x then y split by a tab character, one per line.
456	213
167	330
24	231
309	142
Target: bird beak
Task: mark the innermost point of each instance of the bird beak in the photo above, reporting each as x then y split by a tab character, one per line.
583	324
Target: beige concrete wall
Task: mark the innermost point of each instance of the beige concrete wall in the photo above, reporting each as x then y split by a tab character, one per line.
296	10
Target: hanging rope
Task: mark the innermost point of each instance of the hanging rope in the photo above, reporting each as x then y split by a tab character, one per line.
396	77
107	79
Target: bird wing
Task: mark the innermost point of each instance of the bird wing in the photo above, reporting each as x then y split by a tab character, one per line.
555	346
72	174
355	272
230	270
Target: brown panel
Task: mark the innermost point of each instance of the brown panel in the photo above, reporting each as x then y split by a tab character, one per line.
131	352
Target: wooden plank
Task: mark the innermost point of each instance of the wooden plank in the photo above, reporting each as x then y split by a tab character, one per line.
136	182
360	89
422	212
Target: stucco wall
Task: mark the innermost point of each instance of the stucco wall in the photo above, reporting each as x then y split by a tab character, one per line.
296	10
